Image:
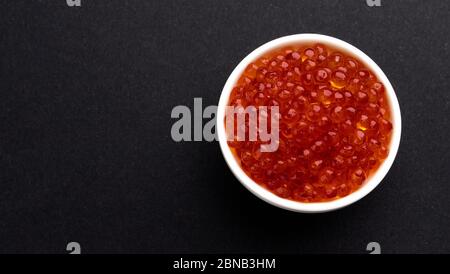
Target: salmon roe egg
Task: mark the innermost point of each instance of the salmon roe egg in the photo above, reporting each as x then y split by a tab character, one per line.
335	123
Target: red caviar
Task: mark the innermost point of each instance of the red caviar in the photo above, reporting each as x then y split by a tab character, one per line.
335	124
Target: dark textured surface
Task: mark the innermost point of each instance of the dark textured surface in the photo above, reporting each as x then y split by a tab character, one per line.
85	148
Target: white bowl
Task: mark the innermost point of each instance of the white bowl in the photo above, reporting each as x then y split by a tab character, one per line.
265	194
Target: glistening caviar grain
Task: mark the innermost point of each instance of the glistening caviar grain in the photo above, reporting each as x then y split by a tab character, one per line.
335	125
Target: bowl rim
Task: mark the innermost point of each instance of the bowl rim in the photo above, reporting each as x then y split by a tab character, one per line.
315	207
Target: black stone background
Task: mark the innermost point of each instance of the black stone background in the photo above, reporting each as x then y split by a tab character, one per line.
85	148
